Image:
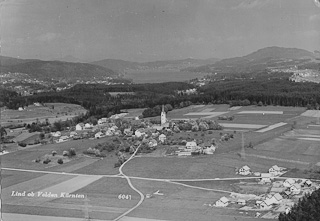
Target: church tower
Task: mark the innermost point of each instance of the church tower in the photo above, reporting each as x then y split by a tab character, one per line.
163	119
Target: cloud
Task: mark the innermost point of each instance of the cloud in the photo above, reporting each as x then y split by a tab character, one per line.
48	37
315	17
251	4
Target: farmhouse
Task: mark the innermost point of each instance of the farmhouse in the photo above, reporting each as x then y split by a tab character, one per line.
152	143
307	183
80	126
275	170
191	145
241	202
277	198
222	202
139	132
266	204
288	182
245	170
265	177
56	134
98	135
207	148
88	126
162	138
295	189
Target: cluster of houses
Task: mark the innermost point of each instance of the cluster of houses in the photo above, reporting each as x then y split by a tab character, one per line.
281	195
191	147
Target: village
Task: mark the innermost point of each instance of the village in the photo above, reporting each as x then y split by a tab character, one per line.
282	193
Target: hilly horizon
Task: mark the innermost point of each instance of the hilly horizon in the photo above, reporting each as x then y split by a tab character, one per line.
54	69
269	57
122	65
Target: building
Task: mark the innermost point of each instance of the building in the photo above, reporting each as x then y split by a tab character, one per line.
288	182
191	145
275	170
163	118
277	198
265	177
152	143
162	138
88	126
245	170
241	202
266	204
222	202
295	189
80	126
98	135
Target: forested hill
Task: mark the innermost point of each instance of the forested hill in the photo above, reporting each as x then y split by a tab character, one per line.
54	69
270	57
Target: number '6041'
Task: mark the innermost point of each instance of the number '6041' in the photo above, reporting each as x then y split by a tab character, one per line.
124	197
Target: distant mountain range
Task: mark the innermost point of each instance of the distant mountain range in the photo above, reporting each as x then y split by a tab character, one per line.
72	69
54	69
121	65
270	57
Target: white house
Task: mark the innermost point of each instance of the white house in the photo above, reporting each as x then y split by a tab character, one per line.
88	126
152	143
20	109
241	202
209	150
162	138
56	134
295	189
288	182
222	202
275	170
191	145
266	204
265	177
139	132
98	135
109	133
245	170
277	198
80	126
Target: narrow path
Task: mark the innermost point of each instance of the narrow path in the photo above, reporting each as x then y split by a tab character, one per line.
132	187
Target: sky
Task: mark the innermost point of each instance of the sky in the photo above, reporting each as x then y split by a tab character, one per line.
149	30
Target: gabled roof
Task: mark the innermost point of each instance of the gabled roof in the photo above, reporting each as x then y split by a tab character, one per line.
275	167
191	143
224	199
297	186
277	196
290	180
162	135
245	167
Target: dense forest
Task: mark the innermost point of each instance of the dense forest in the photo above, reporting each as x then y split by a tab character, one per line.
307	209
102	101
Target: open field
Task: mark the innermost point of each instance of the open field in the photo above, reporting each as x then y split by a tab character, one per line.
32	113
158	76
182	203
276	144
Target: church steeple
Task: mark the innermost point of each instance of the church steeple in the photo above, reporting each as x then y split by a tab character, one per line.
163	119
